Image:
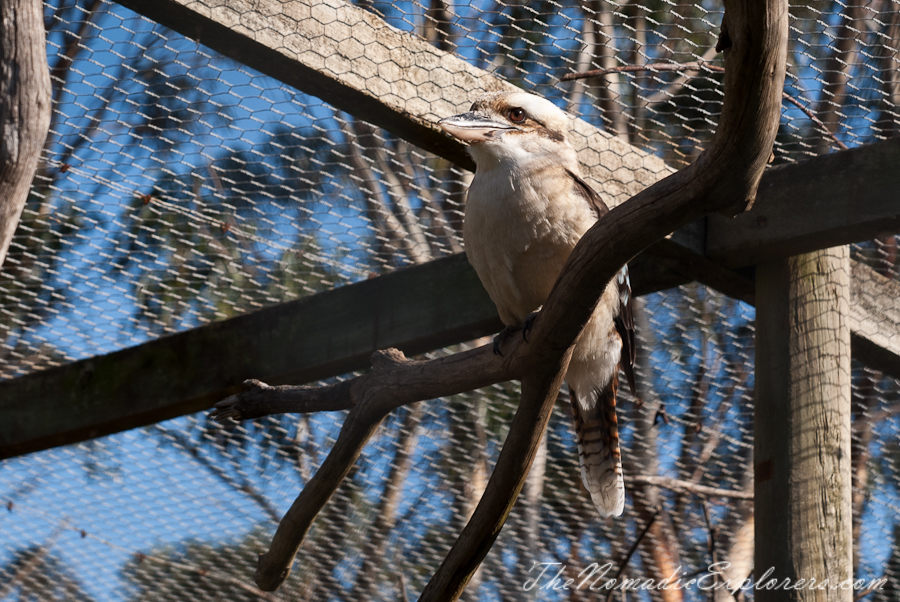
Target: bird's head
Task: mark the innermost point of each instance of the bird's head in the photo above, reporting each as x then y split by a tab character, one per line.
513	126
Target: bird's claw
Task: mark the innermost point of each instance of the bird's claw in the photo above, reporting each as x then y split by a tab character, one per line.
529	322
501	338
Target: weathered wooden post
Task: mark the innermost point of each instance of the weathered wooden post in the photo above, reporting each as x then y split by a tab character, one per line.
802	428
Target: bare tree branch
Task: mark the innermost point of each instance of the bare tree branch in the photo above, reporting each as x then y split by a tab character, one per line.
660	550
689	486
723	179
244	487
378	206
415	242
24	571
692	66
837	68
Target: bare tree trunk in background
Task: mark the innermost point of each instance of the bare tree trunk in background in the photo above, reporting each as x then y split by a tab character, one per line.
837	68
638	124
603	40
660	552
864	403
467	449
438	26
889	54
584	60
24	107
802	424
614	97
526	518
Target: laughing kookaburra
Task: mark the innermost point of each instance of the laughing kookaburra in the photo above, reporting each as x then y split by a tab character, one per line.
527	207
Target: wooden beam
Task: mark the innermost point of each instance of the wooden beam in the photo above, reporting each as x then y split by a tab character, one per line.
831	200
353	60
801	426
416	309
875	319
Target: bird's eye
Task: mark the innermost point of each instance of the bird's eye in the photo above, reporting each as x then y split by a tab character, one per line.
516	115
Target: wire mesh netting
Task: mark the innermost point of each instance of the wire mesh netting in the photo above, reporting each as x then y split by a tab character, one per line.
178	188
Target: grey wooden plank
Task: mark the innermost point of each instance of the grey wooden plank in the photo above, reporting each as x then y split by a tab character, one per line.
875	319
831	200
416	309
355	61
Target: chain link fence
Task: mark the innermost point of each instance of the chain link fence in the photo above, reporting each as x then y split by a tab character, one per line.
179	187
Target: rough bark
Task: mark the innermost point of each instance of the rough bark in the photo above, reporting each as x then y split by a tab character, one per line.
24	107
802	424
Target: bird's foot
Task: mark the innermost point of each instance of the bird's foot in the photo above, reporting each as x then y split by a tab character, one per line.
501	338
529	322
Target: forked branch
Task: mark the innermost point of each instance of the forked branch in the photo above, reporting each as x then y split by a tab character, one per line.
723	179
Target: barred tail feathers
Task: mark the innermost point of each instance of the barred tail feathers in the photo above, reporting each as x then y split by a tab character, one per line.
597	435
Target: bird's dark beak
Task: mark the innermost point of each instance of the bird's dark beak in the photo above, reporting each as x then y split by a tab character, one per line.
472	127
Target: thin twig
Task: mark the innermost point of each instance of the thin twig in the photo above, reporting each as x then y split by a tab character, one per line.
694	66
877	584
808	112
711	544
698	66
631	551
213	574
689	486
